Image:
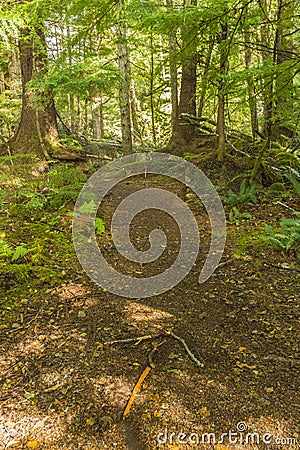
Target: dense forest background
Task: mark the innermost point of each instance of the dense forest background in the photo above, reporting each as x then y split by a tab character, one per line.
148	73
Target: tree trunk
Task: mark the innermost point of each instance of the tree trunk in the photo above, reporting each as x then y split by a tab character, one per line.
187	101
152	93
14	70
97	118
250	84
267	56
284	91
221	139
173	73
204	81
2	82
124	96
134	108
37	130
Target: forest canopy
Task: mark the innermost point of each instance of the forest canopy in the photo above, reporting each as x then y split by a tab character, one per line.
148	73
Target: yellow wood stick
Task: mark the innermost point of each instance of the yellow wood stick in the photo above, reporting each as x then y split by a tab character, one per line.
135	390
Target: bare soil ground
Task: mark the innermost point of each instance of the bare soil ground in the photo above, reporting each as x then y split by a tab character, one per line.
63	387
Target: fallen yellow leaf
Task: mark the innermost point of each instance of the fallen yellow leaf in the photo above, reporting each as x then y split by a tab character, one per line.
90	421
52	388
32	444
205	412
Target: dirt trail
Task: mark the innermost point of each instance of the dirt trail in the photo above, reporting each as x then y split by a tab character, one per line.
63	388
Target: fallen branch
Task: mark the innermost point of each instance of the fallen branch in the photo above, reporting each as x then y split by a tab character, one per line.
135	390
284	205
282	267
153	351
224	263
134	340
157	336
150	364
191	355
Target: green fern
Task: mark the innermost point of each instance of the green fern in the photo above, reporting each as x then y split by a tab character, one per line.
287	237
245	195
5	249
99	226
295	183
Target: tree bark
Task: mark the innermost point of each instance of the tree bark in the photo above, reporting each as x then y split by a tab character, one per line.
124	96
134	108
37	131
221	139
204	81
14	70
267	56
173	73
97	118
284	91
187	99
250	84
152	93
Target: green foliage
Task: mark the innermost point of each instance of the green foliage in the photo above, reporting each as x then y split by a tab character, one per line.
36	249
99	226
65	174
287	237
5	249
236	217
71	142
246	195
295	183
88	207
36	200
82	78
64	184
19	252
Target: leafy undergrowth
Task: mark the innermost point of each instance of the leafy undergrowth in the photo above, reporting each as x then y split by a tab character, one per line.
36	251
63	387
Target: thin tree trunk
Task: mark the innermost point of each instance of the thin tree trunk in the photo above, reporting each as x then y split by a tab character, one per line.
134	107
152	93
97	118
173	73
267	56
221	139
124	95
2	82
250	84
204	81
79	116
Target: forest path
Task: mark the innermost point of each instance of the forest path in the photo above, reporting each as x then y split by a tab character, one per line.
65	389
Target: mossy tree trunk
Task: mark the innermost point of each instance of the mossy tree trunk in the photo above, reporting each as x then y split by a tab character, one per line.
37	131
184	133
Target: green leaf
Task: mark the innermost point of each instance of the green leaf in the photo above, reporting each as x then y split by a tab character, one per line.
88	207
20	251
99	226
